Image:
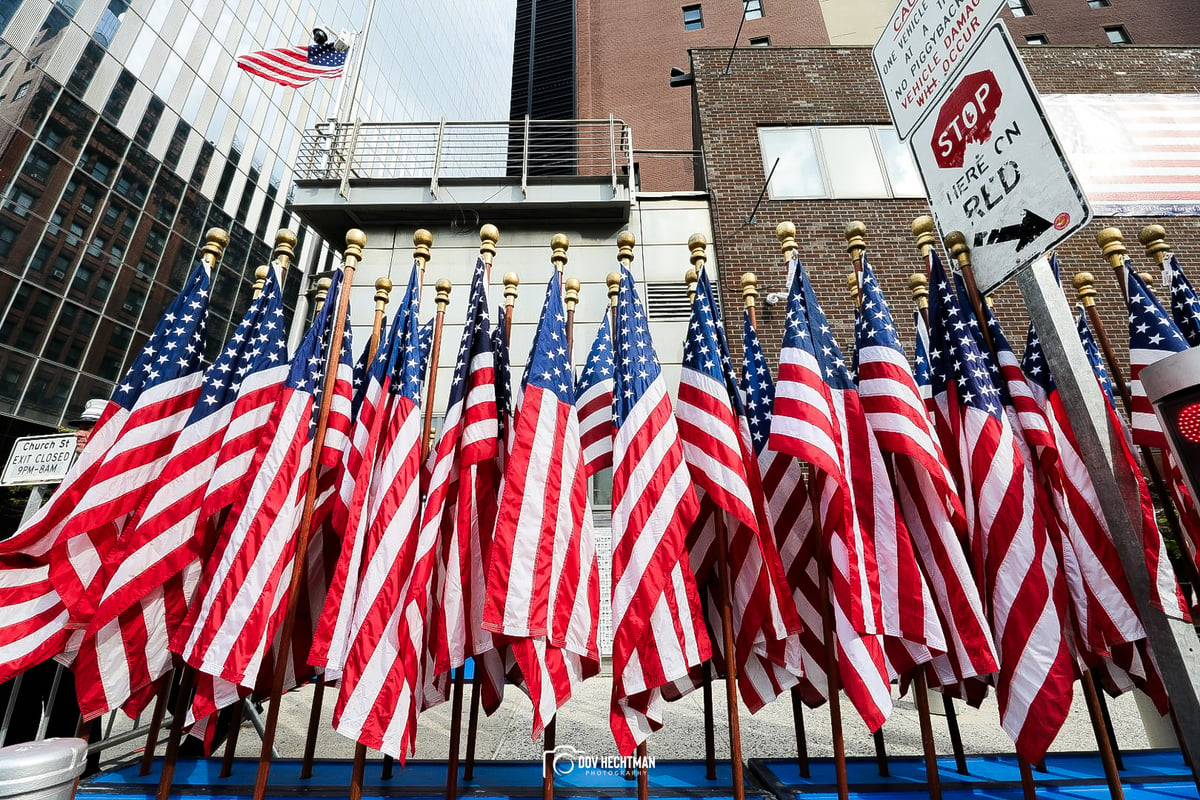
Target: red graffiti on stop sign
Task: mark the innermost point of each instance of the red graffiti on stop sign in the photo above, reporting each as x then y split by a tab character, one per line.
966	116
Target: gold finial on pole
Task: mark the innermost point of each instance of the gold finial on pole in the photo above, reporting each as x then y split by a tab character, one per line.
489	235
356	240
918	284
323	284
690	278
1154	239
383	290
1112	247
260	280
285	246
923	228
956	243
614	287
422	247
1085	287
855	233
215	242
852	285
785	232
572	293
749	289
698	246
558	251
625	243
442	298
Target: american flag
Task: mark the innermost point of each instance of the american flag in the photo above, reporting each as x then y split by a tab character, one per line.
1152	336
436	634
1109	627
241	598
135	432
595	402
371	675
155	563
1185	305
724	466
543	580
295	66
658	631
925	489
350	514
1014	561
818	417
789	513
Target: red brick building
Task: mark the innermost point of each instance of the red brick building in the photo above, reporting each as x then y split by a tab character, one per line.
835	89
1101	22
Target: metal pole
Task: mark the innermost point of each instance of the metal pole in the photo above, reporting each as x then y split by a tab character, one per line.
1174	643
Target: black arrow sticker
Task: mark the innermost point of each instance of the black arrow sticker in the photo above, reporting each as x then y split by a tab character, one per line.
1030	227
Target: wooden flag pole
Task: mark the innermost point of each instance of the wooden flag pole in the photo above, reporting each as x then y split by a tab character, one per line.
489	235
698	247
750	299
625	243
960	251
156	719
918	283
786	233
355	240
708	670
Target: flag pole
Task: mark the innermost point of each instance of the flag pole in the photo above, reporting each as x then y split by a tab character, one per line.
918	284
625	243
355	240
786	233
961	252
235	720
357	52
750	300
690	278
441	300
215	242
156	720
489	235
698	246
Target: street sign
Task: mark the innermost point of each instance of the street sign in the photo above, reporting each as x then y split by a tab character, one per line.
921	49
992	167
38	459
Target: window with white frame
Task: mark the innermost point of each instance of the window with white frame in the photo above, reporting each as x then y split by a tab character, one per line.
753	9
837	161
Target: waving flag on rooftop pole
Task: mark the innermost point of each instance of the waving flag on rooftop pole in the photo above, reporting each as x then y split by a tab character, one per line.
658	631
137	429
1014	562
296	66
543	579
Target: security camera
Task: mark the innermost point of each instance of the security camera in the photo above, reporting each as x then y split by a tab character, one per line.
319	36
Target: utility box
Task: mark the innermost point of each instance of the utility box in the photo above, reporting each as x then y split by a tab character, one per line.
45	770
1172	385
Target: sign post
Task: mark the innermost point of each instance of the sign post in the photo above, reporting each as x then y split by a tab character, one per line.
992	166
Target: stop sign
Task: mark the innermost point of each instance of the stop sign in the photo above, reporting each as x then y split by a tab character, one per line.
966	116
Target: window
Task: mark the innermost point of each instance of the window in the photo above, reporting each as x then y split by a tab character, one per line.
1117	34
1019	8
760	41
828	161
693	20
1036	39
753	9
1098	4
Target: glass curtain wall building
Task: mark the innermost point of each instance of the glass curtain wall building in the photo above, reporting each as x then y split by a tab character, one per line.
126	131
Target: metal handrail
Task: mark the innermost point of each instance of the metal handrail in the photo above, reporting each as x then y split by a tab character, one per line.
523	149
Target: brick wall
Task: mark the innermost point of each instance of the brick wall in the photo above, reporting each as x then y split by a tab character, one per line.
837	85
625	50
1159	22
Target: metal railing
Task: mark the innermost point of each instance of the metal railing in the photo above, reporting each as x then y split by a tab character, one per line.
521	150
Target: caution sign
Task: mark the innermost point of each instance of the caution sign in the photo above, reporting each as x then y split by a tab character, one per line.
38	459
993	168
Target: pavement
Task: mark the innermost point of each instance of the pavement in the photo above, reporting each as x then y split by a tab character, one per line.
584	724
